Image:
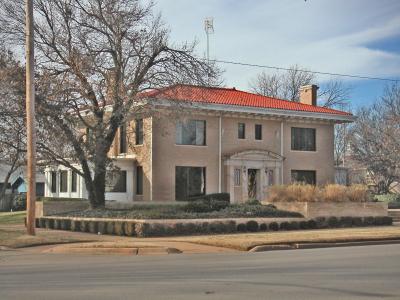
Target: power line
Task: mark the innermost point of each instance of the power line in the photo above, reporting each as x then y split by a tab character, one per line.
306	71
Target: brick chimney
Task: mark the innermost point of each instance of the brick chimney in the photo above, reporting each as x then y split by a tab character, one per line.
308	94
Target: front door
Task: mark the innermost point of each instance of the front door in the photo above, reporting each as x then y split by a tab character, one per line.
252	183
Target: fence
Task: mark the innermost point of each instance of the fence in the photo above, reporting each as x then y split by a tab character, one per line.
6	203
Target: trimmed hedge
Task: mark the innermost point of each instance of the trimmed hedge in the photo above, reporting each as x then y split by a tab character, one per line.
144	229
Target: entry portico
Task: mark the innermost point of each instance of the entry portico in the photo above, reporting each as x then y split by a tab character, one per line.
250	173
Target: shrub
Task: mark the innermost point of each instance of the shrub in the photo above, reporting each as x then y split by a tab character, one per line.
368	221
294	225
204	227
274	226
119	228
387	220
19	202
333	222
57	224
102	227
303	225
85	226
65	224
346	221
42	223
284	225
156	229
252	226
241	227
142	229
253	202
230	226
49	223
358	193
216	196
357	221
263	227
293	193
75	225
388	198
312	224
217	227
93	227
299	192
197	207
321	222
110	227
129	228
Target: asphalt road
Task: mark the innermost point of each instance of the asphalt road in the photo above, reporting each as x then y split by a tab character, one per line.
368	272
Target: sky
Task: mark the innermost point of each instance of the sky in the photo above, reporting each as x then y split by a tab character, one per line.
359	37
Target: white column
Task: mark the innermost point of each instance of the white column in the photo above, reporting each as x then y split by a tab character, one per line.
245	188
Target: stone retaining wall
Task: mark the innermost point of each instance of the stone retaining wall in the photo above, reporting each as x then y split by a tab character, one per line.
337	209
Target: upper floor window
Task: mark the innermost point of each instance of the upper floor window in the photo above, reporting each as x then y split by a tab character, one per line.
122	139
303	139
139	132
241	131
258	131
191	132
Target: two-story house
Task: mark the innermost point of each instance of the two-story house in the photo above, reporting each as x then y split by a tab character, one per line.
215	140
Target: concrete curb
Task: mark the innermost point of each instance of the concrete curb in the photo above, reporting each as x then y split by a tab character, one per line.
295	246
115	250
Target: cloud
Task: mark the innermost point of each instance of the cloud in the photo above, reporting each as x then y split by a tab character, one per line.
323	35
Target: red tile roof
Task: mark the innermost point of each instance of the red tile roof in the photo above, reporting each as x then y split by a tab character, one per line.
231	96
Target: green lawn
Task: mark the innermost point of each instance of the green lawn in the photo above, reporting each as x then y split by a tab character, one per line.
12	218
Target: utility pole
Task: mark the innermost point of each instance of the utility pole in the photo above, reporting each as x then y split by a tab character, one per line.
30	118
209	28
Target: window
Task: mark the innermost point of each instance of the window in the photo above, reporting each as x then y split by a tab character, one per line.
308	177
122	139
303	139
40	189
241	131
139	180
258	132
189	182
63	181
116	182
74	178
191	132
139	132
237	176
53	182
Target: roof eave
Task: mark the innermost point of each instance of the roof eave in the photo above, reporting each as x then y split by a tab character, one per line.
337	118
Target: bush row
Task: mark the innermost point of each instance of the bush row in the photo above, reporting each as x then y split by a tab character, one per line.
143	229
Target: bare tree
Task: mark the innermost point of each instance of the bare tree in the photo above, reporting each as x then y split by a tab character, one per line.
94	58
375	139
287	85
12	123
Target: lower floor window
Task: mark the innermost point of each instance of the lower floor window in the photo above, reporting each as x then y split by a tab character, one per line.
237	176
139	180
189	182
308	177
63	181
116	182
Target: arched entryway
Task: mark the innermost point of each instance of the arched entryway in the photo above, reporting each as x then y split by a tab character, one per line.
249	174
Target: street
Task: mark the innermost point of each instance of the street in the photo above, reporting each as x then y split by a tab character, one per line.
367	272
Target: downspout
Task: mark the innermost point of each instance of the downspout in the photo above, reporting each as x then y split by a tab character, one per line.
220	154
282	152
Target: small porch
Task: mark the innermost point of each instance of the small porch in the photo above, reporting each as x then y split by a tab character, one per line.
249	174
